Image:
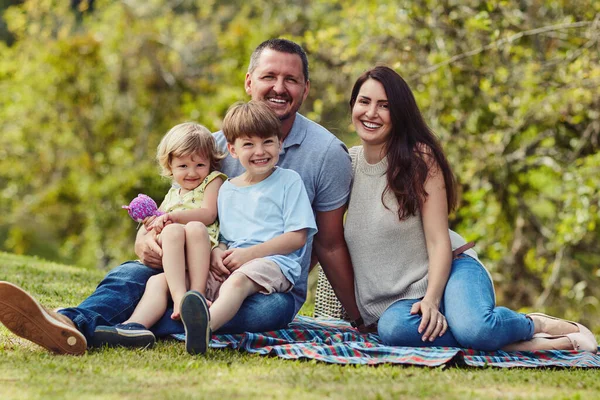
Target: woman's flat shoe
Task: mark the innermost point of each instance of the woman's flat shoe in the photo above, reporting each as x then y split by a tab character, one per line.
584	340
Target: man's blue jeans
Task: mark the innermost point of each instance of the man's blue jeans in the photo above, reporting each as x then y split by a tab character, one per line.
117	295
468	303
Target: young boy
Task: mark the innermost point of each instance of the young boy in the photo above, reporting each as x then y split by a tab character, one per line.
265	218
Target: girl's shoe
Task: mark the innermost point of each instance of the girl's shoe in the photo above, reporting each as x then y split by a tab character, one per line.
126	335
196	321
583	340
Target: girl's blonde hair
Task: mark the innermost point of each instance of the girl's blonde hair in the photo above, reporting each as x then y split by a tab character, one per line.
183	140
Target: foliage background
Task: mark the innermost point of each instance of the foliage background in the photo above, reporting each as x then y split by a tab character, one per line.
87	89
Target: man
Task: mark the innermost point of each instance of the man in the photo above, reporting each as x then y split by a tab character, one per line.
278	75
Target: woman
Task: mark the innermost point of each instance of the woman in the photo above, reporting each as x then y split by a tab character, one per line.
406	279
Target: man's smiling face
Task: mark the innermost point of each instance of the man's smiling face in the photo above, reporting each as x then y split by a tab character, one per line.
278	80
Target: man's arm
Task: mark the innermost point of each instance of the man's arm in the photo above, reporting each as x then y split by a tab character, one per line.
147	248
330	248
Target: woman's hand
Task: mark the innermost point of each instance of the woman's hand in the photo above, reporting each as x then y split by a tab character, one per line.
433	322
217	268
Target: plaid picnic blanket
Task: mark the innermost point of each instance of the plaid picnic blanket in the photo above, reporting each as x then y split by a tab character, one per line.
335	341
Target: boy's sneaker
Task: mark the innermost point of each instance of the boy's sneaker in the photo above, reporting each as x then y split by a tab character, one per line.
196	321
126	335
25	317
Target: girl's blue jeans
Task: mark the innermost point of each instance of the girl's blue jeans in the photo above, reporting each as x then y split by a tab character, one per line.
468	304
116	296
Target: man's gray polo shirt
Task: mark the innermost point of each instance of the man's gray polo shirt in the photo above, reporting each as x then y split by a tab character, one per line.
322	161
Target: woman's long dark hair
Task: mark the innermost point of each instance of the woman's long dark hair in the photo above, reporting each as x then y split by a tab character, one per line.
409	146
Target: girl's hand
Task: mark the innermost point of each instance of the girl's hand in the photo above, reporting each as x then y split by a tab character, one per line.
217	269
235	258
148	222
433	322
160	222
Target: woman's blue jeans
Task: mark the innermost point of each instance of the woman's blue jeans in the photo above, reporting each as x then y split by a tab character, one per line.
117	295
468	303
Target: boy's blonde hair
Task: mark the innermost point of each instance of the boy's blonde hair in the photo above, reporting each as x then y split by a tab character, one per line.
183	140
254	118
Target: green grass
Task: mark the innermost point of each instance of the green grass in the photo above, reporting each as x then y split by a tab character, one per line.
167	371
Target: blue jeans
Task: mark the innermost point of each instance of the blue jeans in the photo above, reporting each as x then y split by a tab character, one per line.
468	303
117	295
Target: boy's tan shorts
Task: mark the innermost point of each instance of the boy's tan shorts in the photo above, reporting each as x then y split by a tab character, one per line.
262	271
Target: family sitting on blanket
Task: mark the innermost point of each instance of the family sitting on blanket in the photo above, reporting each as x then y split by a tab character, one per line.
408	287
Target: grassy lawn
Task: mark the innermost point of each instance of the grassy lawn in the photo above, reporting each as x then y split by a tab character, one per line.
167	371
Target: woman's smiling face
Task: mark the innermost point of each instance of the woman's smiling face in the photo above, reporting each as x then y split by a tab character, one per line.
371	113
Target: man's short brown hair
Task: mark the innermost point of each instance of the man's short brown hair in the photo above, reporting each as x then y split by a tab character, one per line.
253	118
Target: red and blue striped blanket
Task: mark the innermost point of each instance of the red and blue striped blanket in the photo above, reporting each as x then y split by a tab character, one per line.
334	341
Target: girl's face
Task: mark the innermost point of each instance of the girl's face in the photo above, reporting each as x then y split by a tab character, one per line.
189	171
371	114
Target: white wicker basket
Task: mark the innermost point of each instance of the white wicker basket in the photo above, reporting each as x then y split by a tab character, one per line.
327	304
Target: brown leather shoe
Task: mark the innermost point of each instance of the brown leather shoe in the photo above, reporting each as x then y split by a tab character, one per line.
25	317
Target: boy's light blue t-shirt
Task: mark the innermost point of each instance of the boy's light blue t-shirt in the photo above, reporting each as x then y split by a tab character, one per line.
323	163
250	215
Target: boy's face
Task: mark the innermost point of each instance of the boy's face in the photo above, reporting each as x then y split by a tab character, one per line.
189	171
257	155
